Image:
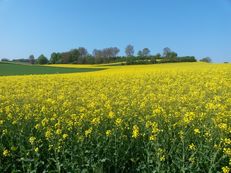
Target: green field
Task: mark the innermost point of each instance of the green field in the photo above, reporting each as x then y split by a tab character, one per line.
11	69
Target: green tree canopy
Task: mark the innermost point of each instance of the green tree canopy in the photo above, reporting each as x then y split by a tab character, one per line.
42	59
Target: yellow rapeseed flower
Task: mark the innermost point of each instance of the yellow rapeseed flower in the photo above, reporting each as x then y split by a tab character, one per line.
196	131
227	151
135	131
118	121
108	133
111	114
226	169
6	153
32	140
48	134
88	132
65	136
152	104
36	149
192	146
58	131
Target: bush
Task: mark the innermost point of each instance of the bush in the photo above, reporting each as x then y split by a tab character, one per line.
5	60
206	59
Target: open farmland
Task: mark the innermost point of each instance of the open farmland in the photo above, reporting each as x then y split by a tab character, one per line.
147	118
11	69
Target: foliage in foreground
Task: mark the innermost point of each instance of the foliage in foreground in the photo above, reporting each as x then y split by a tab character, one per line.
143	119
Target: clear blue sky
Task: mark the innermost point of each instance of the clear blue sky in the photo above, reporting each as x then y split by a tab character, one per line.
189	27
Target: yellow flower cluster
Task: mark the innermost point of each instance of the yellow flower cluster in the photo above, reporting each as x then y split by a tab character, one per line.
135	131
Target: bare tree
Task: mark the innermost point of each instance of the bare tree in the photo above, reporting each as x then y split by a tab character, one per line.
115	51
97	53
129	50
31	59
146	52
82	51
106	52
98	56
166	51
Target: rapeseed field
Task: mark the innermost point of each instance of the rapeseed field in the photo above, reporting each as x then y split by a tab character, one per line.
147	118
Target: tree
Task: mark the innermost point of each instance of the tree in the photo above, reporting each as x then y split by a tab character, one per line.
31	59
5	59
166	51
129	50
158	56
206	59
172	55
74	56
105	55
98	56
71	56
82	52
53	58
146	52
140	53
155	58
115	51
169	54
42	59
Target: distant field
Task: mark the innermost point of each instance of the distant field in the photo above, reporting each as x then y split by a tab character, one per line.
10	69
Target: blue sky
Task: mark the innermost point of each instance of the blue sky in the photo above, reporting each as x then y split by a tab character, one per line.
189	27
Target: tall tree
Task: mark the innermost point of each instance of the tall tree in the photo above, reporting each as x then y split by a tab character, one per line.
65	57
82	51
74	55
115	51
166	51
97	54
31	59
146	52
129	50
105	55
55	58
172	55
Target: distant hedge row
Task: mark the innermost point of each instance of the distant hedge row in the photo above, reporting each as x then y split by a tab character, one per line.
158	60
110	55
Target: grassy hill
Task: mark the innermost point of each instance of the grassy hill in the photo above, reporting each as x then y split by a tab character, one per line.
10	69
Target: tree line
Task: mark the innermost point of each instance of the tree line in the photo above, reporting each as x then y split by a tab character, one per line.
109	55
